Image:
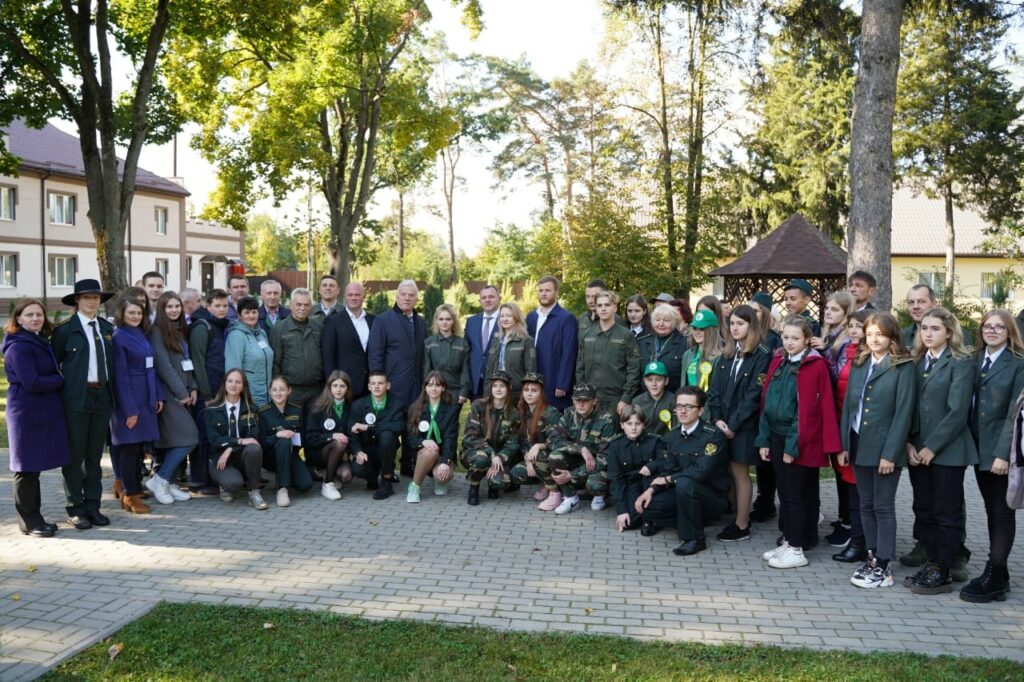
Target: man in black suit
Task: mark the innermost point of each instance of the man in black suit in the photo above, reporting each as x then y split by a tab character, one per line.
344	338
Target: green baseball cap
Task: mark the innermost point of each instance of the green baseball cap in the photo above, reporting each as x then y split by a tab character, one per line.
704	319
655	368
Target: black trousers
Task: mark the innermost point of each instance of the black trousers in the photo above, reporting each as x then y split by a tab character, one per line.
1002	521
380	461
849	497
129	456
27	500
798	497
87	436
939	510
689	506
765	486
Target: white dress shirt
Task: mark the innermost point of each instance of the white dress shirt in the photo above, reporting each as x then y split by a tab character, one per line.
361	325
94	371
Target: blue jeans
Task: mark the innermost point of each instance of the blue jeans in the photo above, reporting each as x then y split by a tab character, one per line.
173	457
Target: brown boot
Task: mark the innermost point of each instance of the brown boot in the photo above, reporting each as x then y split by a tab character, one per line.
134	504
118	489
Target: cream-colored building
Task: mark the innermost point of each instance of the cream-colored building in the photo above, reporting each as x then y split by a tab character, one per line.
46	240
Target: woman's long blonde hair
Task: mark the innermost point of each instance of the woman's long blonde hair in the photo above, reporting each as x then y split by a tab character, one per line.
955	342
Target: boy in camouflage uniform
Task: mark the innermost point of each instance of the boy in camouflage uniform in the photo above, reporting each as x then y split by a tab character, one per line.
577	455
490	442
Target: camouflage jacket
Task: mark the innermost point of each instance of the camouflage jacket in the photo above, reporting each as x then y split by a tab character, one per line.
504	440
545	429
573	432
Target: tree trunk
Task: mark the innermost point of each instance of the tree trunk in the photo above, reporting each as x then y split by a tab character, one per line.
694	151
401	225
947	196
449	160
874	99
666	151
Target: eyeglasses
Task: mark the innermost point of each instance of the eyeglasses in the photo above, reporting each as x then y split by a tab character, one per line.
993	328
687	407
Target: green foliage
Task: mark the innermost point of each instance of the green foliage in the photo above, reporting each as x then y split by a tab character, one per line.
378	303
425	256
432	297
458	296
504	254
269	247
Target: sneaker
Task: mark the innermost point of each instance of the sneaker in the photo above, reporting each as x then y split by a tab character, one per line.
412	494
876	577
863	570
384	490
226	496
733	533
598	503
552	502
256	500
840	537
283	500
772	553
440	488
178	494
159	488
791	557
330	491
541	494
568	505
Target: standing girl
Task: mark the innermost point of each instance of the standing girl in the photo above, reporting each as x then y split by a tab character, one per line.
834	339
797	431
282	422
138	399
733	407
512	350
431	436
941	447
877	412
447	352
995	408
637	315
328	433
705	347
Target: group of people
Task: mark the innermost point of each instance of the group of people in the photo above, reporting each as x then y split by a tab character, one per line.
661	414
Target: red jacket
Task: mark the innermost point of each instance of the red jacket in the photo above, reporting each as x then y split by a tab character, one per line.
851	351
817	420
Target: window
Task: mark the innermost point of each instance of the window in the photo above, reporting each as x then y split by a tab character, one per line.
62	271
989	283
8	199
161	267
936	280
8	269
161	220
62	209
188	269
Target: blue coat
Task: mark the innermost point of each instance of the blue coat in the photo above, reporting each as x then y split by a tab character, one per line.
478	352
557	345
35	409
136	388
398	352
249	350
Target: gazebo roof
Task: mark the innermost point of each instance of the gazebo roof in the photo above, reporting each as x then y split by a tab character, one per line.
795	247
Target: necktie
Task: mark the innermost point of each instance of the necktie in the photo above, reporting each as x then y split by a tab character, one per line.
232	421
986	366
412	325
928	364
487	332
101	364
736	364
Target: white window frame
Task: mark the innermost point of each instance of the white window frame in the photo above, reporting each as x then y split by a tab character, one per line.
8	270
60	261
67	208
8	202
935	279
985	289
163	265
160	214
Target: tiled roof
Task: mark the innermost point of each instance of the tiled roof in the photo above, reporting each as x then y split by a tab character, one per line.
52	150
795	247
919	227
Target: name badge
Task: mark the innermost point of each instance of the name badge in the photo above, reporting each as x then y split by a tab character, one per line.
186	366
297	440
370	418
262	344
424	425
329	424
149	362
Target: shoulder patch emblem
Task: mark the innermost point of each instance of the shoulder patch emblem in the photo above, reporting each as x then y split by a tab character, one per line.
710	449
761	378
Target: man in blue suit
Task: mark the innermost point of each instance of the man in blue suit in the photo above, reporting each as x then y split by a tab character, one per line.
395	346
554	331
479	343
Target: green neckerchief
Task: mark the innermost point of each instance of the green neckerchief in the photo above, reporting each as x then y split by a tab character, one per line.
339	408
691	370
433	431
379	407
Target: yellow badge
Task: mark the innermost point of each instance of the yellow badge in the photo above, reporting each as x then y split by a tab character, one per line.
710	449
761	379
665	416
705	368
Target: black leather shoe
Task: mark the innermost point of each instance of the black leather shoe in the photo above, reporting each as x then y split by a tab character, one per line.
935	580
633	525
473	498
40	532
908	581
80	522
51	526
384	491
851	554
648	529
97	518
691	547
493	493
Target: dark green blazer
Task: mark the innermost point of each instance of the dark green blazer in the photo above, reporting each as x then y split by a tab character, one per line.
888	410
943	406
71	349
995	401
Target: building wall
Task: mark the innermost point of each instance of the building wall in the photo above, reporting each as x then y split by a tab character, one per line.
210	240
969	273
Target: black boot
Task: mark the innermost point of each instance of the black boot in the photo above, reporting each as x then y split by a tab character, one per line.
493	493
851	554
935	580
991	585
384	490
473	499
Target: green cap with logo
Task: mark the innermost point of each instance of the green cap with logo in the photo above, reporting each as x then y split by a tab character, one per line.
704	319
655	367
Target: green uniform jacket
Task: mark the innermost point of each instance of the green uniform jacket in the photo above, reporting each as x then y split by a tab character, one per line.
610	360
625	460
520	358
548	422
701	456
995	402
71	350
504	440
779	413
574	432
275	420
219	434
943	406
889	402
449	356
588	319
654	410
296	347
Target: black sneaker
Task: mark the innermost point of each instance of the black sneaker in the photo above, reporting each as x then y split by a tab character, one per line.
733	533
384	491
840	537
762	514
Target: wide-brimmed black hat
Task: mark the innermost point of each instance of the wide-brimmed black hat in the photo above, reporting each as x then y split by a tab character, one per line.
86	286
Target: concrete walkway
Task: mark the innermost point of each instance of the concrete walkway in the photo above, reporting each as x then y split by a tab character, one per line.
502	564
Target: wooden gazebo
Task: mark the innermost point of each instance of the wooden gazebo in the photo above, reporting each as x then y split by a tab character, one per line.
793	249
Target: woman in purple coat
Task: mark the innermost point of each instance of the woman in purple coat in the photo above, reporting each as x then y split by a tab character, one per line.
138	398
35	411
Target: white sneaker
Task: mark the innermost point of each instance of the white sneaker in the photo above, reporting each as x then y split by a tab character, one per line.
412	494
876	577
597	504
256	500
158	487
440	488
177	493
791	557
330	491
569	505
864	569
772	553
283	500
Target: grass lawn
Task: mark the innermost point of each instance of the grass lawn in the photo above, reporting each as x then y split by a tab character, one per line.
194	641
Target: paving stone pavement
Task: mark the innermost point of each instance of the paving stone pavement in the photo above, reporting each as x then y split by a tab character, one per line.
502	564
